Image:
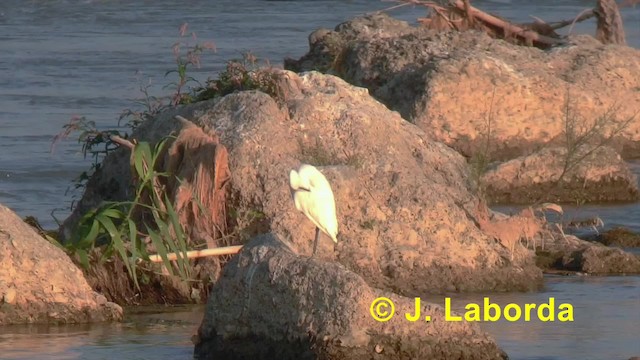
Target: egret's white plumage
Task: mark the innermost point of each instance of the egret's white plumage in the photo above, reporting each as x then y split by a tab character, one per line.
312	196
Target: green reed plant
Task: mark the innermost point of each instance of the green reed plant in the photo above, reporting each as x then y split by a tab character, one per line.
115	223
127	228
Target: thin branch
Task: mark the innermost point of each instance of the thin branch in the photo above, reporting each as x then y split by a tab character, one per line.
228	250
120	141
585	15
507	26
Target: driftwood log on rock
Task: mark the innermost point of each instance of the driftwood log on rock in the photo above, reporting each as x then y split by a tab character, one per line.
589	13
460	15
530	37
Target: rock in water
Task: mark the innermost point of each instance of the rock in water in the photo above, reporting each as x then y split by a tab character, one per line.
453	84
600	176
569	253
271	303
40	284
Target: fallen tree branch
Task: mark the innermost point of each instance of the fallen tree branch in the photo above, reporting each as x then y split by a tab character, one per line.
508	28
588	14
227	250
120	141
460	15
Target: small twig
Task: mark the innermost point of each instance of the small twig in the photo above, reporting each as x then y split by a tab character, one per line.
120	141
390	8
441	11
183	120
403	3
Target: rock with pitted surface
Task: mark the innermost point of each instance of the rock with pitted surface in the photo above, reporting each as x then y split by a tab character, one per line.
458	85
569	253
618	236
599	176
40	284
271	303
406	204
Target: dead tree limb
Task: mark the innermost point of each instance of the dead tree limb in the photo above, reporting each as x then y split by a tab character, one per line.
610	29
587	14
528	35
227	250
460	15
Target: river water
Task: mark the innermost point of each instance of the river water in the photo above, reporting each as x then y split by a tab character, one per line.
60	58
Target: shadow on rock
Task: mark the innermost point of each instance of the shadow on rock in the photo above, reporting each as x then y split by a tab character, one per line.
569	253
440	81
271	303
405	204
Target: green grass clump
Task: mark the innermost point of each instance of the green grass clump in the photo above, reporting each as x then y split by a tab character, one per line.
125	227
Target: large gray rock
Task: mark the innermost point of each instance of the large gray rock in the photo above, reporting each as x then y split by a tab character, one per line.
271	303
455	85
405	203
40	284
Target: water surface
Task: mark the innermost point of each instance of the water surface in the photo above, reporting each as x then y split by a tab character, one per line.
606	319
606	326
62	58
147	333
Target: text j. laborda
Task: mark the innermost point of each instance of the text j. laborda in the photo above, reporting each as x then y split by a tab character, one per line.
383	309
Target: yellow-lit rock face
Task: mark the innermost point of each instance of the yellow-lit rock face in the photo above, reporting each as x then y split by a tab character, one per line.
40	284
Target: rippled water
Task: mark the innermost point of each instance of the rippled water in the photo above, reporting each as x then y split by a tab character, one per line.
60	58
606	320
606	326
150	333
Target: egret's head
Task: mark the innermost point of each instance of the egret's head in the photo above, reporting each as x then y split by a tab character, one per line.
294	180
298	180
292	190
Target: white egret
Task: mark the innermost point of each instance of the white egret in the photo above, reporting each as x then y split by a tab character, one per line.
312	196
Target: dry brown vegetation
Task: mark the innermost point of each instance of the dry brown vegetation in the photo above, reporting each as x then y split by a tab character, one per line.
200	165
198	168
510	231
461	15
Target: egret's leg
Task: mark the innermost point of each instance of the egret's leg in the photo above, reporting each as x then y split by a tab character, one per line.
315	242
